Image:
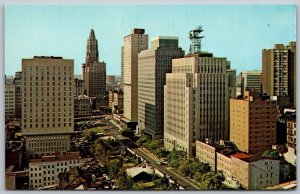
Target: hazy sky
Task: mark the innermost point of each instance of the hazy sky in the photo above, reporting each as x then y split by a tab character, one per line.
237	32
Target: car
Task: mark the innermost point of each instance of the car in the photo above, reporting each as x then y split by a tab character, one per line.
158	161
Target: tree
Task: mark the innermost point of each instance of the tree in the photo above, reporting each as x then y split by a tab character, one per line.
274	154
161	152
210	181
142	140
113	167
163	183
174	163
100	150
125	182
152	145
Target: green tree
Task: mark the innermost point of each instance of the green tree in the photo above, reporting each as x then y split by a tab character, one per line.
100	150
274	154
125	182
210	181
142	140
113	167
152	145
174	163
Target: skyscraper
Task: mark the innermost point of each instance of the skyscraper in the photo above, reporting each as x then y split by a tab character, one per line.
279	71
10	105
133	44
253	123
153	64
122	67
47	104
18	99
250	80
93	71
196	101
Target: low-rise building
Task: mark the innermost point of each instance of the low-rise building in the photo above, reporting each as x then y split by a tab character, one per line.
254	173
44	171
240	169
115	100
78	87
82	106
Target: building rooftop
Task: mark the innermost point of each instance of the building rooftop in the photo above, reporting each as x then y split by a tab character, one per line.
241	156
46	57
57	157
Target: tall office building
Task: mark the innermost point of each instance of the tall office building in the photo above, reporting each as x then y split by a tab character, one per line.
47	104
133	44
10	105
196	101
18	97
122	67
93	71
251	80
279	71
153	64
253	123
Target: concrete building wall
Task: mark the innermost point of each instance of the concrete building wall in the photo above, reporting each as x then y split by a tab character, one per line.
224	164
122	67
278	65
179	112
291	133
206	153
133	44
239	123
78	87
10	104
253	123
153	66
44	173
206	97
18	96
251	80
47	99
240	172
264	173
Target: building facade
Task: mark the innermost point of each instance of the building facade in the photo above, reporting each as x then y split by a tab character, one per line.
253	123
250	80
116	101
133	44
10	103
279	71
47	104
78	87
254	173
82	106
153	64
291	133
18	96
196	101
93	71
44	172
240	169
122	67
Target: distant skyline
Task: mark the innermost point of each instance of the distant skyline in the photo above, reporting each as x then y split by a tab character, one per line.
237	32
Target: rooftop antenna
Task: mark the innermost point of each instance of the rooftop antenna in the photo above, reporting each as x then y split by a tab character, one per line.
195	38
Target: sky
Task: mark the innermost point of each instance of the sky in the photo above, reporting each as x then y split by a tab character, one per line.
237	32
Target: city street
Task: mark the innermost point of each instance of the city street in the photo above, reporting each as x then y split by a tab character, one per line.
186	184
